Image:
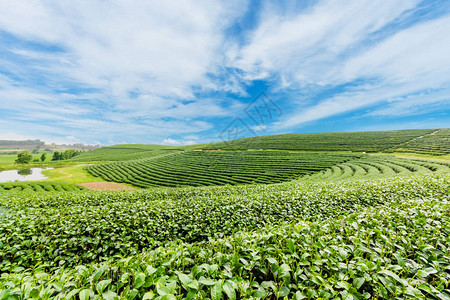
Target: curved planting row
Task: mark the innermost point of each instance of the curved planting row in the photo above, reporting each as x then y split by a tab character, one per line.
39	187
379	165
201	168
368	141
436	143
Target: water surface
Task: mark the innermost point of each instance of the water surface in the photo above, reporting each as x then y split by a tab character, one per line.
23	175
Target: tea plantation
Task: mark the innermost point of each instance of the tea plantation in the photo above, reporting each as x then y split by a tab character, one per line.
197	168
278	223
377	238
124	152
39	187
366	141
437	142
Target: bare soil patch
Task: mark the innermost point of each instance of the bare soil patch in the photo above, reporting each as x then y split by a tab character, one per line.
105	186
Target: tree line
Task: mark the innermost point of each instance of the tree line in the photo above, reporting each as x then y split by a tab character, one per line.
26	158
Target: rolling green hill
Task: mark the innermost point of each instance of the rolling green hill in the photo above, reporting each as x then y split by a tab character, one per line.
423	141
354	226
125	152
434	141
197	168
273	159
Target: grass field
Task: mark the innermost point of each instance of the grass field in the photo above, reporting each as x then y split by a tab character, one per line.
7	161
70	174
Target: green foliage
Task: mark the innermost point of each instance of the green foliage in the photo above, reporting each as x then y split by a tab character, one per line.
353	227
368	141
65	155
379	166
24	172
29	186
43	157
436	143
71	228
200	168
56	156
397	249
126	152
24	158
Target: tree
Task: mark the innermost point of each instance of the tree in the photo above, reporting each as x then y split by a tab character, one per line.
24	158
43	156
56	155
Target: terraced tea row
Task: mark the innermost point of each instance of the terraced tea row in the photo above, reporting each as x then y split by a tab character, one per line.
368	141
436	143
375	166
200	168
124	152
396	250
39	187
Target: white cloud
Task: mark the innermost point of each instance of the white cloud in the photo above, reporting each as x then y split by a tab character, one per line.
310	47
173	142
328	46
144	70
142	58
258	128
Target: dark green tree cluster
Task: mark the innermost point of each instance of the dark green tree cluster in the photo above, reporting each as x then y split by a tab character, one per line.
66	154
24	158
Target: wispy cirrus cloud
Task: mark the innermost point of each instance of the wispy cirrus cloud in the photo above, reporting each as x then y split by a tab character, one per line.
409	62
130	60
161	72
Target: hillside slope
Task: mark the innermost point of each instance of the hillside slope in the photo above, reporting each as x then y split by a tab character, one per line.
197	168
124	152
367	141
436	143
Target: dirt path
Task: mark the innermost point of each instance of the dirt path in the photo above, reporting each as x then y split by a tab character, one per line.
105	186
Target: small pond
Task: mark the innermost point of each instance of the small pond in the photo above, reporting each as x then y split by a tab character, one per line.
23	175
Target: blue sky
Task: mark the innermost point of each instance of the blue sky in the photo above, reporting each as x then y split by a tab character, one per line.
183	72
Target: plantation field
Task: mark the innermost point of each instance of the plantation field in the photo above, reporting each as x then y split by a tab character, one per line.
124	152
377	238
377	166
368	141
437	142
32	186
198	168
279	217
